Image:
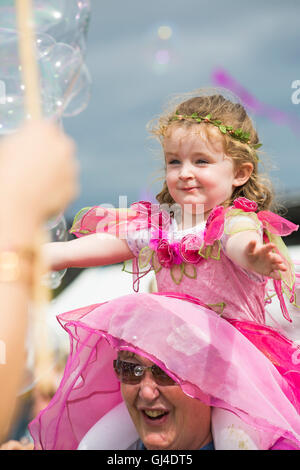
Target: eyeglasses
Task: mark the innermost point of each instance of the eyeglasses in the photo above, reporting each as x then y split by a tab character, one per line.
131	373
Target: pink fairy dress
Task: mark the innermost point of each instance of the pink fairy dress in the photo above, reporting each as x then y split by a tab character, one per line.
194	262
206	327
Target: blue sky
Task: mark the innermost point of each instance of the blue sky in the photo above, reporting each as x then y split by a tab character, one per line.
256	42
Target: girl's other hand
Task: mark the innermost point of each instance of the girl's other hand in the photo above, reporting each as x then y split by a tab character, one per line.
264	260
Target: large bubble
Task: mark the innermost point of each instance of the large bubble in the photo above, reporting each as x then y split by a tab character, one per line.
61	28
57	232
65	80
65	20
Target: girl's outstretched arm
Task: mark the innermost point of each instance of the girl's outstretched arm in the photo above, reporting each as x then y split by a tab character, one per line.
98	249
247	250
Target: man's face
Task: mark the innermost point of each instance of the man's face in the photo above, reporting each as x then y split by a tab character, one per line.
164	416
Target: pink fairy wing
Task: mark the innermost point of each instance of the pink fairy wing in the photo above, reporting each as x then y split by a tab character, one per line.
78	228
120	222
286	285
275	227
99	219
276	224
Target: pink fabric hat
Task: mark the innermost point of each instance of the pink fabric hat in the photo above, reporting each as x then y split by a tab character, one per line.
211	359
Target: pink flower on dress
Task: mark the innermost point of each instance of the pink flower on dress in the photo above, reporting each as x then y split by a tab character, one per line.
168	254
189	248
165	253
157	236
214	225
153	244
245	204
175	247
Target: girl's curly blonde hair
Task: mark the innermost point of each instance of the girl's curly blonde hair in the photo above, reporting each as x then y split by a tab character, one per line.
258	188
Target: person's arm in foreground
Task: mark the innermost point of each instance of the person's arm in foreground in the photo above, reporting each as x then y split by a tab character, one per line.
37	180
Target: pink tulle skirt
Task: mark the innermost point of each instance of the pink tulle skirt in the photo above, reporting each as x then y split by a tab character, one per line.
249	369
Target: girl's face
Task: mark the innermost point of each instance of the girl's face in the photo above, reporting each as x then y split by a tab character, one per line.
198	174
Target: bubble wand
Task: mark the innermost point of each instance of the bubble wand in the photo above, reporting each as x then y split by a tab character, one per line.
33	108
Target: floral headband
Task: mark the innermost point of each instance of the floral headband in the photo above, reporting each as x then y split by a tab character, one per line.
237	134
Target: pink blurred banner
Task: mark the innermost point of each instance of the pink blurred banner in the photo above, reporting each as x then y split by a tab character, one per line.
220	77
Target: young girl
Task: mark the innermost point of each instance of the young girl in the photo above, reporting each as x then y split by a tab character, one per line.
212	237
221	206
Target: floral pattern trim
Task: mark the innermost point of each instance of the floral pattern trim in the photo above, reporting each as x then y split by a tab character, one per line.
192	248
218	308
181	257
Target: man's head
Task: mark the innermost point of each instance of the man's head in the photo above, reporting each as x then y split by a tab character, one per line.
164	416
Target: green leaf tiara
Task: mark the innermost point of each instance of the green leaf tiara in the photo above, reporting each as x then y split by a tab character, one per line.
237	134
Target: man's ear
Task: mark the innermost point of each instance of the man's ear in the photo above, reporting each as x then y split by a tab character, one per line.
242	174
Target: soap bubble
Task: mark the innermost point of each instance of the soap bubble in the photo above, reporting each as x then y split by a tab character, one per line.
64	78
65	20
61	29
79	95
164	32
56	228
161	49
57	232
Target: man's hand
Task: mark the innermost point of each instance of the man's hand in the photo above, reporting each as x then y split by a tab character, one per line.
38	172
23	444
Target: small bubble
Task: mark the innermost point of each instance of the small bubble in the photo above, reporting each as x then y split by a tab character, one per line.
57	15
162	56
164	32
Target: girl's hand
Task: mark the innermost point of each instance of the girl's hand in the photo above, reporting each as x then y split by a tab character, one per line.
263	260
